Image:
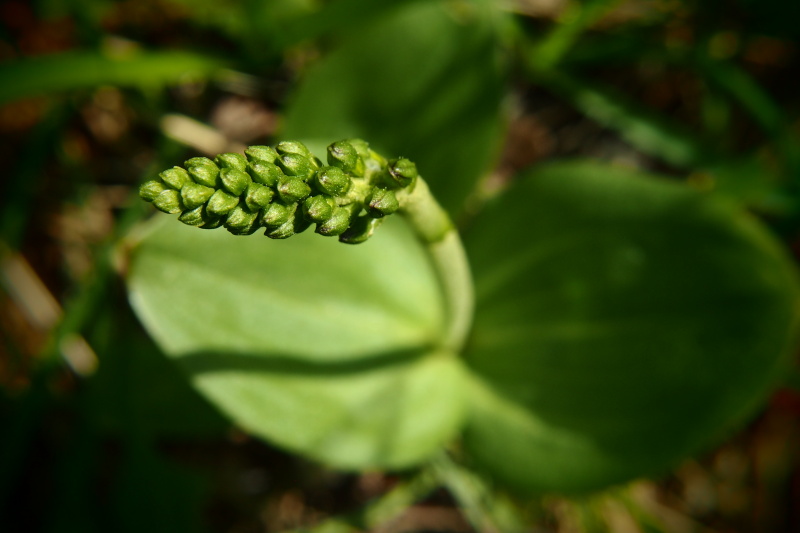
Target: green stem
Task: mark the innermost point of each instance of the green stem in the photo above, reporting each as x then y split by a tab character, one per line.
437	233
382	510
484	508
578	16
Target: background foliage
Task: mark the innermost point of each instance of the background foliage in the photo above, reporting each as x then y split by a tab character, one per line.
99	95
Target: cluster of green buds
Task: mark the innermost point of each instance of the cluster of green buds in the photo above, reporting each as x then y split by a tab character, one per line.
285	190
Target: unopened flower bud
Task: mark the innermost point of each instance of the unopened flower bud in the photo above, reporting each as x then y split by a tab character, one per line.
192	217
332	181
382	202
361	146
194	195
212	222
295	165
296	224
261	153
175	177
360	230
258	196
150	189
401	172
293	147
221	203
264	173
336	224
169	201
236	161
235	181
199	217
240	221
344	156
292	190
318	208
203	171
277	214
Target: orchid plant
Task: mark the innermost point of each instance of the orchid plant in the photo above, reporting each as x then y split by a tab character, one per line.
615	324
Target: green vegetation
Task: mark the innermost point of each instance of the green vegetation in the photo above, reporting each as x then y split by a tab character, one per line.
583	280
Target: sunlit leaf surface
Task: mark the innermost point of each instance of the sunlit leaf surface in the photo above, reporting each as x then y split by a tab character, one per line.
325	348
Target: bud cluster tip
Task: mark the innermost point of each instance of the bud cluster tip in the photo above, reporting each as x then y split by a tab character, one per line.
285	190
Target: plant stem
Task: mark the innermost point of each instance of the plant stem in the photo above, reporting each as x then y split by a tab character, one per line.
437	233
487	510
382	510
577	16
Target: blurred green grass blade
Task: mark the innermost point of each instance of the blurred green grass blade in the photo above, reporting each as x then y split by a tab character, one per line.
758	103
622	46
398	499
746	91
635	47
749	178
577	17
83	69
641	127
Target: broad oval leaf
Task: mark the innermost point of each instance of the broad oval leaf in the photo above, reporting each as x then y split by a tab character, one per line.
324	348
422	82
622	323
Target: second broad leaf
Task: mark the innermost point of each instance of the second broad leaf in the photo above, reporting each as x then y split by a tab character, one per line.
623	323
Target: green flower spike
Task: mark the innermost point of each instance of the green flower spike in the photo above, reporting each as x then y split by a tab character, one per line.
286	189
